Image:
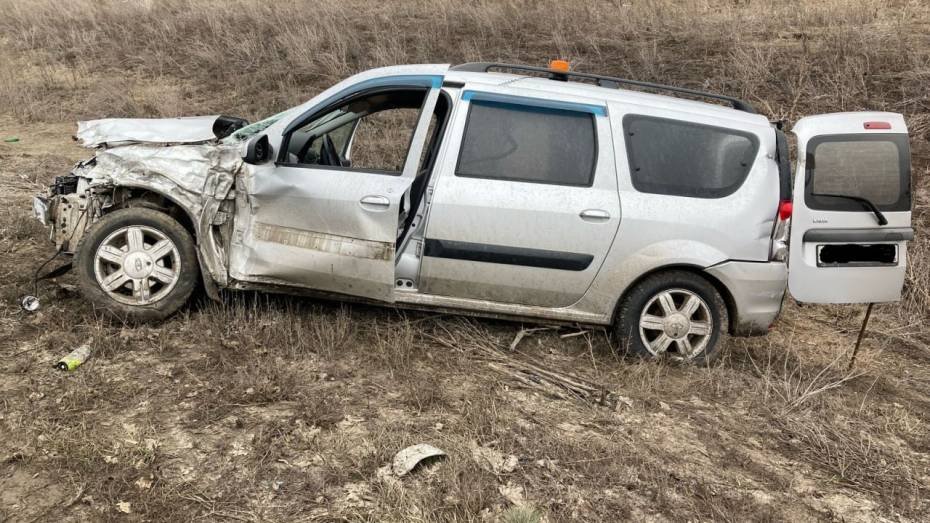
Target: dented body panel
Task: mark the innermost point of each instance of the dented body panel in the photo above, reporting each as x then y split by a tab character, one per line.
114	131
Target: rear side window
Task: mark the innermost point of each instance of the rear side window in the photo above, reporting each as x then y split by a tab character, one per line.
528	144
874	167
687	159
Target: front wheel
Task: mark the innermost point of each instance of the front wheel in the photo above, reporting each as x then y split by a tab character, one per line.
675	314
138	263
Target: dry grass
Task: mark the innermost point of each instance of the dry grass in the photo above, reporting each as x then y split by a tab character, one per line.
268	408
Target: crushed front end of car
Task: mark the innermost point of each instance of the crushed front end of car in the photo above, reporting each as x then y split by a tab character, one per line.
181	166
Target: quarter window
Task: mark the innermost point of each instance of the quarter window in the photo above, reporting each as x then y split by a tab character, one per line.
687	159
528	144
874	167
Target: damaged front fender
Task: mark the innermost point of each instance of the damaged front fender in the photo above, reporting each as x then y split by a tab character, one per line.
197	178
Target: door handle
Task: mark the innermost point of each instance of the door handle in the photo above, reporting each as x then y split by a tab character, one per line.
594	215
375	203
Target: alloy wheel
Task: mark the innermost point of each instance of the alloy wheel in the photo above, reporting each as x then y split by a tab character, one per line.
137	265
676	322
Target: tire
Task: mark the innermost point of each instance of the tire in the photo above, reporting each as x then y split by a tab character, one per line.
145	256
649	326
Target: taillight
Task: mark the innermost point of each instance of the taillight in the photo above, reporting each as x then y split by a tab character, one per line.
778	250
784	209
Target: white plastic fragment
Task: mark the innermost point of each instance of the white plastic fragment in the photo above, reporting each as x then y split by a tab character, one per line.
407	459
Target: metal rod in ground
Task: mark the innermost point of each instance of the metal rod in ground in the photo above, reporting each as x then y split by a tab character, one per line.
865	323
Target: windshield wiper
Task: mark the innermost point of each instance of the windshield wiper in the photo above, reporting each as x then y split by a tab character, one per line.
865	203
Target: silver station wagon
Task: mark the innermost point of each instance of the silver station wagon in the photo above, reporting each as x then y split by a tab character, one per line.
497	190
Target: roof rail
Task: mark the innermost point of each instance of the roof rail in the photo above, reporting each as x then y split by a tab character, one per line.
604	81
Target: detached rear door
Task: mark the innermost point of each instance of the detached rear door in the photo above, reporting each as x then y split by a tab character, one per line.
852	209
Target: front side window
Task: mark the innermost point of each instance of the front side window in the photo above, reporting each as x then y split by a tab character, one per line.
526	143
873	167
369	133
680	158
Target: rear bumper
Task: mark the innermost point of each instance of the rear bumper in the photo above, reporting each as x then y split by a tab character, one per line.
757	289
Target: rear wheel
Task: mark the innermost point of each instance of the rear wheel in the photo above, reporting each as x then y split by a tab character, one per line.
675	314
138	263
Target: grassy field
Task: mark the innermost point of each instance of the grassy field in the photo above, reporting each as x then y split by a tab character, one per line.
266	408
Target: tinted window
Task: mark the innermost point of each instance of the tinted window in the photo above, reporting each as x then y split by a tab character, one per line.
528	144
875	167
687	159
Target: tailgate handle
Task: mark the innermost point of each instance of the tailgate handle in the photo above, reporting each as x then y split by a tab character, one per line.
899	234
594	215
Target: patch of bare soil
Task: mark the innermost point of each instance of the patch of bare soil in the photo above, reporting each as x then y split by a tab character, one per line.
266	408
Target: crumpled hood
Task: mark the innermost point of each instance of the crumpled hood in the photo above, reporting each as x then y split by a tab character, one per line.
122	131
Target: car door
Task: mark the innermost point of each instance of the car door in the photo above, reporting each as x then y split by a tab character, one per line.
852	209
319	220
526	205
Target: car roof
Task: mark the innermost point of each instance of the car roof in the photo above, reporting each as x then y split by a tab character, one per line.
544	86
605	94
635	100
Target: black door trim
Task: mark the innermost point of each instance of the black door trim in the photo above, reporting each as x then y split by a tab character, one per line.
481	252
889	234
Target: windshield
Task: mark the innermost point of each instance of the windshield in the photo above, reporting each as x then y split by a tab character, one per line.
252	129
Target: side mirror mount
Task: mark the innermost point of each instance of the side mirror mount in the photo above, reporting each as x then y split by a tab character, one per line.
258	150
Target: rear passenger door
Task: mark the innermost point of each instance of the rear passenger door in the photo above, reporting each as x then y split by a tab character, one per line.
852	209
526	205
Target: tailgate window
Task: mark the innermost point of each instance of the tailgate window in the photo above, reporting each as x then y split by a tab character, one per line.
874	167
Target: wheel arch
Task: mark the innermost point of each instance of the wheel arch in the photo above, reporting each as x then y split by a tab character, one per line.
127	196
697	270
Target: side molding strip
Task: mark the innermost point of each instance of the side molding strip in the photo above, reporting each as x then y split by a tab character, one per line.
480	252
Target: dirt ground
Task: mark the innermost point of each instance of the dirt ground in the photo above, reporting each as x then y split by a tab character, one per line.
268	408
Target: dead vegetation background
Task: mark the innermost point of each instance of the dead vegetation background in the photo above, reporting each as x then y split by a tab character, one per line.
277	409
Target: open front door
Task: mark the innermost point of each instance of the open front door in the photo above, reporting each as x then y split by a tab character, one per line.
852	209
327	214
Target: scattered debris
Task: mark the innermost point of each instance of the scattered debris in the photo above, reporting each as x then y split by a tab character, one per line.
29	303
408	459
74	359
125	507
